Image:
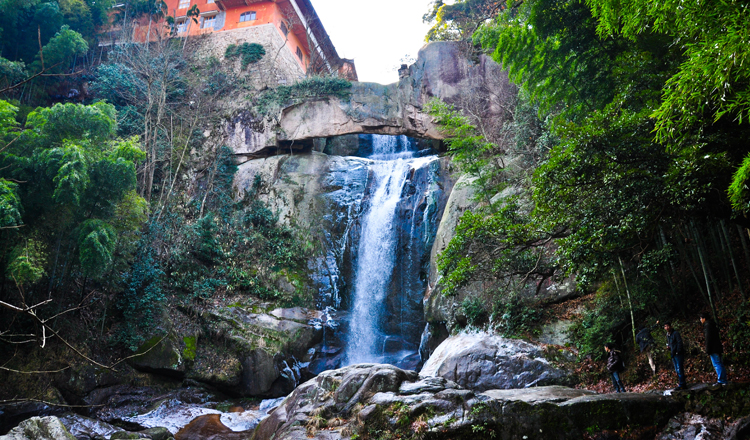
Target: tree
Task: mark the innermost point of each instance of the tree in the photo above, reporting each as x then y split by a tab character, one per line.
610	194
713	80
459	20
71	176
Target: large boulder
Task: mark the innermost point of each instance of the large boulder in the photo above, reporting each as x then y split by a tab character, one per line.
482	361
39	428
167	354
244	349
256	354
368	398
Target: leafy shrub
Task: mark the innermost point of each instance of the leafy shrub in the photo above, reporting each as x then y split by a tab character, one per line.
142	300
515	318
250	53
473	309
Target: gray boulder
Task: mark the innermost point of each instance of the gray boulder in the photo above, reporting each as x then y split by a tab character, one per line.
370	398
481	361
86	428
39	428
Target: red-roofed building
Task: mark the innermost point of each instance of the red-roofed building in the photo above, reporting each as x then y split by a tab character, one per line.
292	22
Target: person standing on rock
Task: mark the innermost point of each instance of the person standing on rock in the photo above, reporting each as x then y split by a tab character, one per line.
615	366
646	343
713	347
677	351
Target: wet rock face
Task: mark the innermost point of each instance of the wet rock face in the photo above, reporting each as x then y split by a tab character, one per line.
480	361
369	398
418	215
693	426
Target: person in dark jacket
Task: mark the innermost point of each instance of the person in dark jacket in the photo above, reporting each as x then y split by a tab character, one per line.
677	351
615	366
646	344
713	347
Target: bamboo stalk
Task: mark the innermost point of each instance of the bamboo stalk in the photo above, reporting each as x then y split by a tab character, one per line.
731	257
630	303
705	270
617	286
722	250
743	240
664	243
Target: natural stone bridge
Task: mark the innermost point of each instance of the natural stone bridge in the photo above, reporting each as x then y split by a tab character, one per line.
443	69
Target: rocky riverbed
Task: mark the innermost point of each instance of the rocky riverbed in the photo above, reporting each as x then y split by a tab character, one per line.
377	401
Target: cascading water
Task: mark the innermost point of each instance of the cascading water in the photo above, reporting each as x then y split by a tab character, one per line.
379	286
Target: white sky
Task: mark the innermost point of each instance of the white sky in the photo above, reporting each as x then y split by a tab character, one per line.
377	34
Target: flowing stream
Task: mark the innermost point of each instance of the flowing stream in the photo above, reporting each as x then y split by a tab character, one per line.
384	270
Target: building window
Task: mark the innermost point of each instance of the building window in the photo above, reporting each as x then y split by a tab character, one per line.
299	54
284	29
247	16
208	22
182	26
184	4
208	2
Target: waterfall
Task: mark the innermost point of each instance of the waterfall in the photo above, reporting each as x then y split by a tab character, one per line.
380	254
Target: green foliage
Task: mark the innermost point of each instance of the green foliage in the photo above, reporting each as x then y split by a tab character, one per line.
458	20
250	53
59	52
95	123
515	318
96	246
207	247
309	88
76	194
27	262
7	118
474	310
143	298
72	176
11	72
739	193
129	150
713	78
469	148
10	205
498	245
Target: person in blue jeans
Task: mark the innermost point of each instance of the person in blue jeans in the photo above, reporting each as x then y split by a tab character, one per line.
713	346
677	351
615	366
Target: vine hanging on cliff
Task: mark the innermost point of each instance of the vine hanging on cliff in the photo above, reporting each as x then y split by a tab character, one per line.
251	53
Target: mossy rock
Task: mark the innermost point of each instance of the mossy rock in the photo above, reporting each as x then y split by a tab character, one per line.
39	428
166	354
217	366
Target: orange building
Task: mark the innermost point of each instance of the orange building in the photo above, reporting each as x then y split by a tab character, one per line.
295	21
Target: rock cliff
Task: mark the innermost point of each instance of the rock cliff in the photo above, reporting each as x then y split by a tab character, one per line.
447	70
